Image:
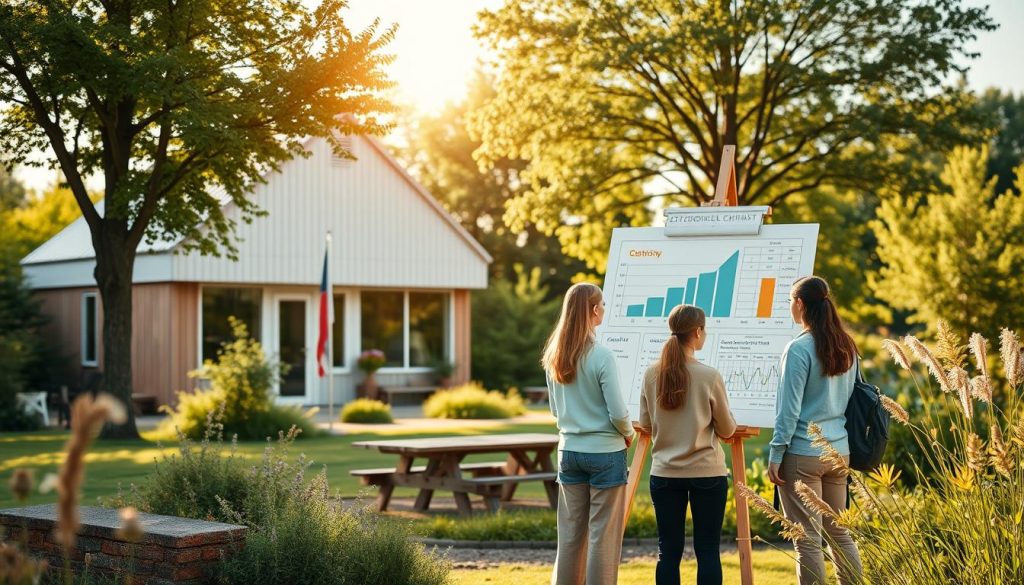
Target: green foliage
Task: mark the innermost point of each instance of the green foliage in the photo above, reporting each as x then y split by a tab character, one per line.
510	324
473	401
618	104
954	253
440	154
845	246
1007	145
240	384
23	354
364	410
196	481
371	360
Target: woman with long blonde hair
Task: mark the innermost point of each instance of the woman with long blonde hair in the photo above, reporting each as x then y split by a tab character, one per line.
594	432
684	406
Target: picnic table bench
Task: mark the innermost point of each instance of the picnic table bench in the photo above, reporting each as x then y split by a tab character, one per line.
529	459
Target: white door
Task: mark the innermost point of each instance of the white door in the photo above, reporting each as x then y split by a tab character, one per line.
292	339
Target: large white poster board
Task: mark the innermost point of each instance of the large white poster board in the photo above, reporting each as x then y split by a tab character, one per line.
741	282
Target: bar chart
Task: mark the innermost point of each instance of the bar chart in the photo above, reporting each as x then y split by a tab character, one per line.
751	282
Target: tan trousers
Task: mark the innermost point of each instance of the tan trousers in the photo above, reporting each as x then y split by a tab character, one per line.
830	485
589	535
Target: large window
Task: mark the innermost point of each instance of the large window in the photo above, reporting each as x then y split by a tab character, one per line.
338	331
412	329
428	328
219	303
90	330
382	318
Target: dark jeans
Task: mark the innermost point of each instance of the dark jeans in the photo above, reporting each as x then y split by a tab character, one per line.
707	495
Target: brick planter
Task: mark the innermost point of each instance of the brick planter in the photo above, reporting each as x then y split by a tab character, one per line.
173	550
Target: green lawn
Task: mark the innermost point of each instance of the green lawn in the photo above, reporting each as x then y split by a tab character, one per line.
770	568
111	464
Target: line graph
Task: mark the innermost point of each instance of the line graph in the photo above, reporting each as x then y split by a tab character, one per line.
744	380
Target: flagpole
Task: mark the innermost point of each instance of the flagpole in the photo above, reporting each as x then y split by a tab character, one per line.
330	338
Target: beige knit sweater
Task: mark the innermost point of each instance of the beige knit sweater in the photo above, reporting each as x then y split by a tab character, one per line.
685	440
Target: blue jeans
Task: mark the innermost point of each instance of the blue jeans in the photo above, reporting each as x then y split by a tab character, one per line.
600	470
671	496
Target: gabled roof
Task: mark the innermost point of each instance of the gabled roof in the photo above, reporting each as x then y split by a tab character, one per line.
74	242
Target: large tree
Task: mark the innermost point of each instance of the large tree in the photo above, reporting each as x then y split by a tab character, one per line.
440	154
1007	145
619	103
180	106
955	253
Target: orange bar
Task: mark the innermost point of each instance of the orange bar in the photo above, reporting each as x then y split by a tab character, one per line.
765	299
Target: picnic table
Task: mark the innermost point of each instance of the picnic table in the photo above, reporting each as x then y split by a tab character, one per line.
529	458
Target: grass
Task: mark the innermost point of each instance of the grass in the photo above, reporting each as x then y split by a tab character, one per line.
114	464
771	567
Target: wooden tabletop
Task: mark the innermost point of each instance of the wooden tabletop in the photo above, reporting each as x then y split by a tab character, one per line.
463	443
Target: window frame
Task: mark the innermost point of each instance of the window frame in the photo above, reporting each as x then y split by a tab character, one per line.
262	306
83	337
449	329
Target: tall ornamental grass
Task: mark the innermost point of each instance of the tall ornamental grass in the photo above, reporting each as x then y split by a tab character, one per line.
963	522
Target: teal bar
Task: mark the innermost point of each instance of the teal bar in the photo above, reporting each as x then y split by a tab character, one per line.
654	305
691	290
706	290
726	286
673	298
634	310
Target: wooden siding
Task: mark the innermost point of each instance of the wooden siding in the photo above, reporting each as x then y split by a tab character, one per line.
164	335
385	233
462	336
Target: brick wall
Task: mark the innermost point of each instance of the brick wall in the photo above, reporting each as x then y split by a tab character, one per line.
173	550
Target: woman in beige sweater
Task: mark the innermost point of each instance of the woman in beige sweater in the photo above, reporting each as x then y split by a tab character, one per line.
683	405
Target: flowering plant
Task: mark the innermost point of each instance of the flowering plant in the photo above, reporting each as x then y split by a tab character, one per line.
371	360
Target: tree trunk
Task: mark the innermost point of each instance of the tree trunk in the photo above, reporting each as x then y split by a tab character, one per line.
114	265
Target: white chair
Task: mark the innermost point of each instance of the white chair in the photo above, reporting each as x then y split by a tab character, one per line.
35	402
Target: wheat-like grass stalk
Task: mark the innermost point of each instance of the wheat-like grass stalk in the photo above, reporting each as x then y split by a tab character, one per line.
1017	434
962	384
979	347
864	495
976	458
948	345
928	358
895	351
21	483
1009	351
813	501
895	410
789	530
1001	460
828	452
981	388
87	416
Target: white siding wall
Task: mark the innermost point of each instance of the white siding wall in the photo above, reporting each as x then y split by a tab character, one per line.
385	233
148	268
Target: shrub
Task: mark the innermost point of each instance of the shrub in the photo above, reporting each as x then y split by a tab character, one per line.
240	384
472	401
364	410
503	360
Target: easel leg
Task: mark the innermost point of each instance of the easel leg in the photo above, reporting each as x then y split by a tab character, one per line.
636	469
739	475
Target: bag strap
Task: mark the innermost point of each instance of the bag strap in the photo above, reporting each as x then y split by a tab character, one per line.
860	373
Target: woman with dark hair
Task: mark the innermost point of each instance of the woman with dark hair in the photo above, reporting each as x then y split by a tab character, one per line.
594	432
683	405
818	374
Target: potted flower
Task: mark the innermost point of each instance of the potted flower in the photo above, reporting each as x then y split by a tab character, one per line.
369	362
443	370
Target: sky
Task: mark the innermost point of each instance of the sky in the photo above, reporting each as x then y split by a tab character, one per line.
435	52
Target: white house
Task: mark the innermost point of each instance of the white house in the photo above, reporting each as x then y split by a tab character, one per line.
402	269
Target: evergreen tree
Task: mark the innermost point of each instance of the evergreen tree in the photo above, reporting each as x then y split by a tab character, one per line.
957	253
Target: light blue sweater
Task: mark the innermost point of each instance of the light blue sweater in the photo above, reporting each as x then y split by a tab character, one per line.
806	395
592	416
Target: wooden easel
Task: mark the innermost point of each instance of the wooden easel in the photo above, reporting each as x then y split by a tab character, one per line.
725	195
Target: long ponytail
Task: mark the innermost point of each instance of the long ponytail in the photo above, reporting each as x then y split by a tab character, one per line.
835	348
673	377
